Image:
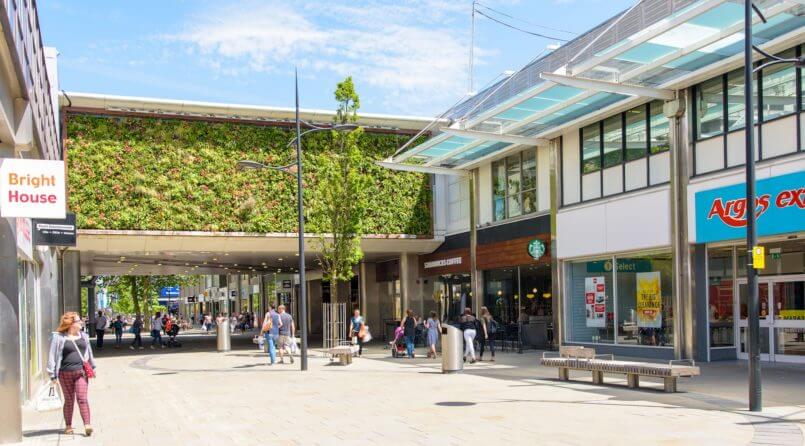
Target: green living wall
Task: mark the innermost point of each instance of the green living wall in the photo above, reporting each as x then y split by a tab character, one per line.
131	173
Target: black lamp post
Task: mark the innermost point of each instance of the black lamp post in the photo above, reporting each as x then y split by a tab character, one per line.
296	169
755	394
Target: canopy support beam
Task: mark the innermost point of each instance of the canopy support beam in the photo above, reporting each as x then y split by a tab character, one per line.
489	136
422	169
609	87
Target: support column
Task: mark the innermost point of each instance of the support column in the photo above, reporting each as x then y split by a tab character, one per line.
91	307
10	404
409	270
236	306
71	284
680	248
476	277
370	302
557	289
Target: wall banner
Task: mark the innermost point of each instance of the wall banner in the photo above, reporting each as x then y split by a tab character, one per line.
32	188
595	301
649	300
779	207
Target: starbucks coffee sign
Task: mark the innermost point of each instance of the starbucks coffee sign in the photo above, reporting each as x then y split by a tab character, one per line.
536	249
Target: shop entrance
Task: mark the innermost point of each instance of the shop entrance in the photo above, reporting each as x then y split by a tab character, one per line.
782	318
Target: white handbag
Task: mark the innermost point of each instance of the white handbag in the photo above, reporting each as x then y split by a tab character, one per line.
50	398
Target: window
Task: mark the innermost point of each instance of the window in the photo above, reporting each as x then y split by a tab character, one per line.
636	133
660	130
613	141
710	108
514	185
591	149
779	89
720	296
621	300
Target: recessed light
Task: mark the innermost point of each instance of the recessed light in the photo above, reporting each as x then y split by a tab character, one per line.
235	264
226	253
280	259
214	259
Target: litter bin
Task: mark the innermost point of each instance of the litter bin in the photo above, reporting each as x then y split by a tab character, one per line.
452	349
223	336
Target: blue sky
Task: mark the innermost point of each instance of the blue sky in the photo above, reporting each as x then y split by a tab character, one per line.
406	56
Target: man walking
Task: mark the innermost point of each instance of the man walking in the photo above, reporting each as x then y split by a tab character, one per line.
286	333
271	327
100	328
156	329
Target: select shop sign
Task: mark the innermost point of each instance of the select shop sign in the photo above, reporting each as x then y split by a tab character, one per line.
32	188
779	207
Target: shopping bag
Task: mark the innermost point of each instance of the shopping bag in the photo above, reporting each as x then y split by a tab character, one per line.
50	398
367	336
294	345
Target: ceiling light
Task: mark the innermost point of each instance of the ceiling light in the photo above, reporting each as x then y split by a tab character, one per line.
214	259
226	253
280	259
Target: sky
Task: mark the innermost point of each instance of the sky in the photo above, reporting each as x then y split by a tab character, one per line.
406	57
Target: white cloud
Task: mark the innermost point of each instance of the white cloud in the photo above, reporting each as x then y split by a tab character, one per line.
415	51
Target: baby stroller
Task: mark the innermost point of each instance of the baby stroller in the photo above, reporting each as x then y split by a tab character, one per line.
397	345
172	332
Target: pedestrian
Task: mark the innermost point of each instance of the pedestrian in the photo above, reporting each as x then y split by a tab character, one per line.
434	328
233	323
357	329
136	328
207	323
118	325
268	334
286	333
409	332
489	327
156	330
72	363
467	324
101	324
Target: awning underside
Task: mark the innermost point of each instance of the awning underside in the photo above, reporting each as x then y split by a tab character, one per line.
694	37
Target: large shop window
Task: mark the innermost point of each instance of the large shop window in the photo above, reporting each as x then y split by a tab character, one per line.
514	185
621	300
720	292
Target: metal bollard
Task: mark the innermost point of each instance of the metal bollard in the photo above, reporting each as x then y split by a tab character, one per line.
223	336
452	349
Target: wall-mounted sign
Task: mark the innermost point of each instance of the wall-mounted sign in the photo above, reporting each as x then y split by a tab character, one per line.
191	299
649	300
169	292
55	232
286	284
536	249
779	207
443	262
625	265
595	300
25	244
32	188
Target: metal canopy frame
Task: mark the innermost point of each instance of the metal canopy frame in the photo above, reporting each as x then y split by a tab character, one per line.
517	122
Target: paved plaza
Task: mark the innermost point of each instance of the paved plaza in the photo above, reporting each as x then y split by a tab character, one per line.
196	396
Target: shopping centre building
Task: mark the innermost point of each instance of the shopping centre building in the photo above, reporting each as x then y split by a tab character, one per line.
623	152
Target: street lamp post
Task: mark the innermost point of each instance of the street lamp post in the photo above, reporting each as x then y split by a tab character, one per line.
755	394
290	168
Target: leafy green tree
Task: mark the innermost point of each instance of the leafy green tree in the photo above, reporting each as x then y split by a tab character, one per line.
138	294
341	197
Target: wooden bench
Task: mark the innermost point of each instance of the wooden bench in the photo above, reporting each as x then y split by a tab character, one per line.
581	358
343	352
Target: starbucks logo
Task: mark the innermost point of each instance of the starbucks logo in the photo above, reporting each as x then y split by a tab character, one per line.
536	249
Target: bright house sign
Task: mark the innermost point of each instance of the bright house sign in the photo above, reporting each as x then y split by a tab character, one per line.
779	206
32	188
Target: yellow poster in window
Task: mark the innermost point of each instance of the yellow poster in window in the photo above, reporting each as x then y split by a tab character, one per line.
649	300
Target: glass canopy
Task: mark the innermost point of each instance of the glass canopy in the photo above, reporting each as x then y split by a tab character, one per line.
695	37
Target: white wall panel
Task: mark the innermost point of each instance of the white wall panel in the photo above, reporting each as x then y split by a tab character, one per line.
636	174
543	178
591	186
736	149
779	137
484	194
709	155
660	168
631	222
570	167
613	180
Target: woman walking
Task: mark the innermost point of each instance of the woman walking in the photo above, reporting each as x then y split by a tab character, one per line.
136	328
409	332
356	329
72	363
490	327
467	324
434	328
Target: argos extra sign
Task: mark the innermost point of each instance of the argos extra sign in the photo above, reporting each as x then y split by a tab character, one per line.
32	188
779	207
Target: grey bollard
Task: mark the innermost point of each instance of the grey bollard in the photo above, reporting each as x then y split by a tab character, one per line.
452	349
223	336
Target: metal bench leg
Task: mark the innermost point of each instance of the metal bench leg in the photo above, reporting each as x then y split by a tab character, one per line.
633	381
670	384
564	374
598	377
